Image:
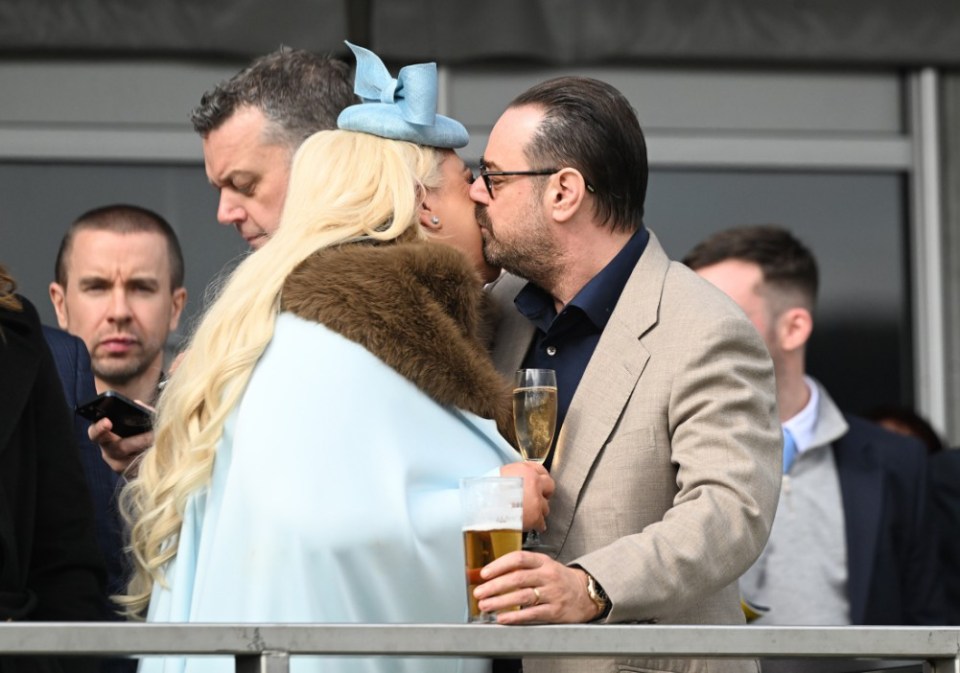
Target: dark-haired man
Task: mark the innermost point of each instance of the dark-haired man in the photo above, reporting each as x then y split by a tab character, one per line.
852	542
667	462
251	126
253	123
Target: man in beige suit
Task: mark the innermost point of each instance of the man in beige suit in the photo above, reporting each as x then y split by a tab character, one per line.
667	462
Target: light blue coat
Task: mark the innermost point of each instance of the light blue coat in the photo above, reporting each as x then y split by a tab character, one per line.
334	499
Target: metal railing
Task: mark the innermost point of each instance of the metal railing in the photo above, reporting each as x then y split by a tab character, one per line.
267	648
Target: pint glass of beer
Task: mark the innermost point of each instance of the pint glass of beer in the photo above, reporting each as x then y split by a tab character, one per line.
492	525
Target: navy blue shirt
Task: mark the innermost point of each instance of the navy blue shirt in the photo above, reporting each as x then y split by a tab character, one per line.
565	342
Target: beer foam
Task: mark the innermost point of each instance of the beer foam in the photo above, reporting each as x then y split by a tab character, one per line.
494	525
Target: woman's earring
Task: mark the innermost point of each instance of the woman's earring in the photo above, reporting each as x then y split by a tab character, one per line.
434	220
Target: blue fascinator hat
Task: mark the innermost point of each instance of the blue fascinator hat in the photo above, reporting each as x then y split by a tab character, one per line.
404	108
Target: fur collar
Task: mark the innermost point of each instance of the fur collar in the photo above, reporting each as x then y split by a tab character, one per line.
417	306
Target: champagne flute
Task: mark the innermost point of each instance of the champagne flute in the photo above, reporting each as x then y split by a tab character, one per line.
535	420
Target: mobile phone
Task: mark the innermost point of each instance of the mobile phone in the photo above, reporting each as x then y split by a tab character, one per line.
128	417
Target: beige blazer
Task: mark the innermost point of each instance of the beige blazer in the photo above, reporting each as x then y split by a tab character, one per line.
668	462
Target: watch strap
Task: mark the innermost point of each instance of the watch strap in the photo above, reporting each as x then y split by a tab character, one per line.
598	596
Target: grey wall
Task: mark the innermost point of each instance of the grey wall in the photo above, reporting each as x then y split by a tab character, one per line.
891	33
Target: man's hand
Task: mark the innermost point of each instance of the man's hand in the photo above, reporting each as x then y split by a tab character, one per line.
561	592
537	488
120	453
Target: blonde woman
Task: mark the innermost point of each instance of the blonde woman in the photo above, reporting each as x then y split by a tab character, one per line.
309	446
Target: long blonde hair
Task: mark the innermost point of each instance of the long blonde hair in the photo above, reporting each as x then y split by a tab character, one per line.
344	187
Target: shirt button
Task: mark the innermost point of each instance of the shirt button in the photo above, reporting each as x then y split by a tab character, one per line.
551	350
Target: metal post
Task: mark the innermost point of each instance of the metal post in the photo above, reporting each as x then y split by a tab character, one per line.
267	661
945	665
926	230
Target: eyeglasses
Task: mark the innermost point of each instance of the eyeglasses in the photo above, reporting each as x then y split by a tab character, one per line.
486	175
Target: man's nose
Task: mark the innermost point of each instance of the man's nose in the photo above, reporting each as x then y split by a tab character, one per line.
119	305
478	191
228	211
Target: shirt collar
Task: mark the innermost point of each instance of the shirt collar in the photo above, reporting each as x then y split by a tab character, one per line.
597	298
803	425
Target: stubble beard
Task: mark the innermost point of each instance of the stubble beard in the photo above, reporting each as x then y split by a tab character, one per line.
120	373
532	254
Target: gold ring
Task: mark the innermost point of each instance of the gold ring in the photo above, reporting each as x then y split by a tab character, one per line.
536	593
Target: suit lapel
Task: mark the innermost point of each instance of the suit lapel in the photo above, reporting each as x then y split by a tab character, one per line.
861	487
606	387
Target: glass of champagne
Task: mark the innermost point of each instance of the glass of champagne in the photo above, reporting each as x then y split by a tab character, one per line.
535	420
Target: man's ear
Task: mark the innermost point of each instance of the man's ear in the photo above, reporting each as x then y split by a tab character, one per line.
58	295
179	301
567	191
794	328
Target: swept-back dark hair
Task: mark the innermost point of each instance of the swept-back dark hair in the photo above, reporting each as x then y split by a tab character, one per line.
298	92
590	126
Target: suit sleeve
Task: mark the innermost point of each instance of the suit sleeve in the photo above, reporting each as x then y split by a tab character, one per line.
921	580
944	470
725	445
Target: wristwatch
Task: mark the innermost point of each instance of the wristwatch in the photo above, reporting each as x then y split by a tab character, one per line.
598	596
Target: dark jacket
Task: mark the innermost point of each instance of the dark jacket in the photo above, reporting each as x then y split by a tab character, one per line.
73	365
50	567
945	480
894	573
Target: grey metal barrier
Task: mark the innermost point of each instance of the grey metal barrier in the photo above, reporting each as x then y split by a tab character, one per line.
267	648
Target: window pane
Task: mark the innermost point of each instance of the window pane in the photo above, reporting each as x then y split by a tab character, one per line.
854	224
